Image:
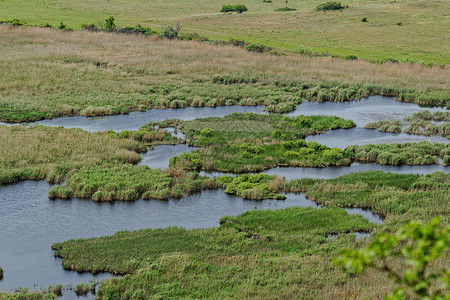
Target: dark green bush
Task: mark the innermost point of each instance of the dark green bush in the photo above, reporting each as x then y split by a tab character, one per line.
351	57
192	37
238	43
90	27
63	26
388	59
109	23
138	29
45	25
364	20
331	5
260	48
14	22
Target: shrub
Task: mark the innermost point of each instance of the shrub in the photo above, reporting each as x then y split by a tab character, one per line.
90	27
82	289
207	132
109	23
267	1
238	43
192	37
364	20
14	22
63	26
239	8
331	5
45	25
283	9
138	29
351	57
388	59
1	273
170	32
276	53
255	47
418	245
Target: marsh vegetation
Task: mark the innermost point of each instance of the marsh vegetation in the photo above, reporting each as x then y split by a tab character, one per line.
259	252
421	123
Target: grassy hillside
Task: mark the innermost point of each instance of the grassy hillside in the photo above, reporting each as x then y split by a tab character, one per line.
404	29
48	73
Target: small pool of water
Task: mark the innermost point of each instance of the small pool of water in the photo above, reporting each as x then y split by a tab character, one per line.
159	157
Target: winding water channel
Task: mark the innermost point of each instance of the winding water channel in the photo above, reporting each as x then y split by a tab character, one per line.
31	222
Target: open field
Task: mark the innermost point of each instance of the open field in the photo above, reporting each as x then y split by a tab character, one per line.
48	73
274	254
413	30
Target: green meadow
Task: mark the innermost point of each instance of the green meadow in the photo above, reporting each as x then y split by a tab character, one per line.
405	30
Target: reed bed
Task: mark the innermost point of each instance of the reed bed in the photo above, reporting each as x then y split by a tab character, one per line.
423	153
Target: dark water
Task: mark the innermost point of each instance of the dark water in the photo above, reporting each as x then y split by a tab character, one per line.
31	222
366	110
158	158
136	119
342	138
333	172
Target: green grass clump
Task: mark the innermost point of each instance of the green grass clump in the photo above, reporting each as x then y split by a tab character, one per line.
126	183
331	5
24	293
423	153
251	142
252	187
394	126
82	289
421	123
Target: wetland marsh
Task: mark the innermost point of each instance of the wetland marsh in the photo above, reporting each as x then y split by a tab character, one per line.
124	168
